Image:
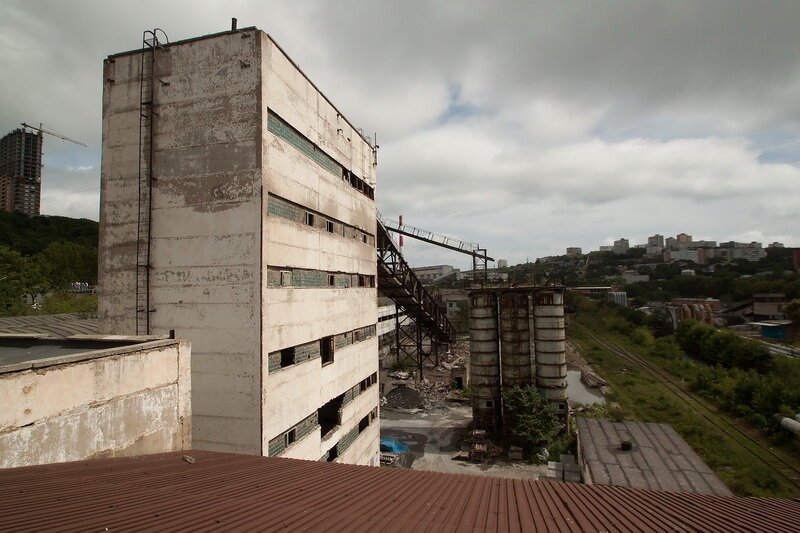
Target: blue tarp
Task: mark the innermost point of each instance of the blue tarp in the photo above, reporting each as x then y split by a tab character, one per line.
393	446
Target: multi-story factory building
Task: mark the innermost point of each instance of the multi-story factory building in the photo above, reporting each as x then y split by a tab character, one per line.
237	209
21	172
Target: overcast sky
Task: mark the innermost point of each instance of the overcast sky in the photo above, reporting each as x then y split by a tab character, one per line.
525	126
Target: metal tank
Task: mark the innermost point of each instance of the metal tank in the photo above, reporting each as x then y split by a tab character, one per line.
515	341
484	359
550	345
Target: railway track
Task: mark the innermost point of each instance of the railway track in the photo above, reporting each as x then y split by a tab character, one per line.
700	406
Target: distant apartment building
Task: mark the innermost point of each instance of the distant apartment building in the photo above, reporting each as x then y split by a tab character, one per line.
775	245
606	249
574	252
237	210
751	251
502	263
621	246
428	274
21	172
655	244
683	238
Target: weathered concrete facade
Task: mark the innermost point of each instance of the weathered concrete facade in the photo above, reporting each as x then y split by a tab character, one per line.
121	401
262	248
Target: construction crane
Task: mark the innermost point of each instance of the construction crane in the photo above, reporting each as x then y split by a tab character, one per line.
54	134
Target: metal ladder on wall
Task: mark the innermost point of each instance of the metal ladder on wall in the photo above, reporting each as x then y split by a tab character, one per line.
145	183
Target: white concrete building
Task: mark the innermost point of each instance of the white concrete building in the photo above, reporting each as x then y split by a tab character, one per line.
237	208
89	396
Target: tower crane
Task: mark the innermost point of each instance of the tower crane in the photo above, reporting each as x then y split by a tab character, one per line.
42	130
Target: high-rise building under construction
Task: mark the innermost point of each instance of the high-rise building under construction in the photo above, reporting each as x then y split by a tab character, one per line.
21	172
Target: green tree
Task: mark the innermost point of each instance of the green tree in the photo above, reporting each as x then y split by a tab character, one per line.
531	418
19	276
792	310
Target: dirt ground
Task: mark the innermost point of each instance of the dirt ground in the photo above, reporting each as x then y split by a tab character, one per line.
434	435
435	428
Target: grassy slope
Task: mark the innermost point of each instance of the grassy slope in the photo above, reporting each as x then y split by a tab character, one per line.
644	399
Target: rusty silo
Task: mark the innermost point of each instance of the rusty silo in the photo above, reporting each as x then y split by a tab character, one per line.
484	359
550	345
515	340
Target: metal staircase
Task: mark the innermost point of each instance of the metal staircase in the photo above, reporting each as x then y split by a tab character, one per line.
397	281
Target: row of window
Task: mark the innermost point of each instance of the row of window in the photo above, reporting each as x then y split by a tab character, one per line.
327	418
307	278
283	208
281	128
324	348
336	451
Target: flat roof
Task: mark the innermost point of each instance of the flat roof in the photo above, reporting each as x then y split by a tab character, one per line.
21	352
659	459
224	491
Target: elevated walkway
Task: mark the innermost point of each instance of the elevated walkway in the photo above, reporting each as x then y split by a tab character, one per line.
397	281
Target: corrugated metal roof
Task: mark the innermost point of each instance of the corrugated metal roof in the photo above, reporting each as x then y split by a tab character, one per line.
241	492
61	325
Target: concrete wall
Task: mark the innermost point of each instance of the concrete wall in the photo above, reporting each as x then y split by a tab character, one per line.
123	401
217	241
292	316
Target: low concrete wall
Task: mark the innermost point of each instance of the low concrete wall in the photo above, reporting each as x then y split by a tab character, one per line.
122	401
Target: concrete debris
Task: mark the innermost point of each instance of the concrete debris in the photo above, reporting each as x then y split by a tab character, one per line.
403	397
399	375
591	379
189	459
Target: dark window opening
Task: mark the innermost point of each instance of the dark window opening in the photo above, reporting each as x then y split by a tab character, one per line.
362	281
364	238
329	415
287	357
459	383
309	219
331	280
363	385
363	424
489	403
329	226
333	453
326	350
291	436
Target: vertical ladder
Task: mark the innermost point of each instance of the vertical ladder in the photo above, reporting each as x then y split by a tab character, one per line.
145	184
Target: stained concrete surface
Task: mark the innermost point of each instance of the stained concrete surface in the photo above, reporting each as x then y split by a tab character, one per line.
434	435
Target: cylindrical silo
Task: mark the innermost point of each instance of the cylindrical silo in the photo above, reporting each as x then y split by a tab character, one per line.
515	340
484	359
550	345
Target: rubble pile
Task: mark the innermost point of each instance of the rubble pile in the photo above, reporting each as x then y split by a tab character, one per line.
403	397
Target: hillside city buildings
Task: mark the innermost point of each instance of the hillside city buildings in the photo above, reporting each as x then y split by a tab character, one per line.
21	172
251	233
683	248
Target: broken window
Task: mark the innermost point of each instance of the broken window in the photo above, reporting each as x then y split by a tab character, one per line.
333	453
329	415
287	357
362	281
291	436
363	424
331	280
286	278
326	350
329	226
309	219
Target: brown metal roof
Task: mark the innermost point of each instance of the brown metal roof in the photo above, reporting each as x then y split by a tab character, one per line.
240	492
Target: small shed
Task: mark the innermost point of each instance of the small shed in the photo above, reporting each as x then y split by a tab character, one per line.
774	329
